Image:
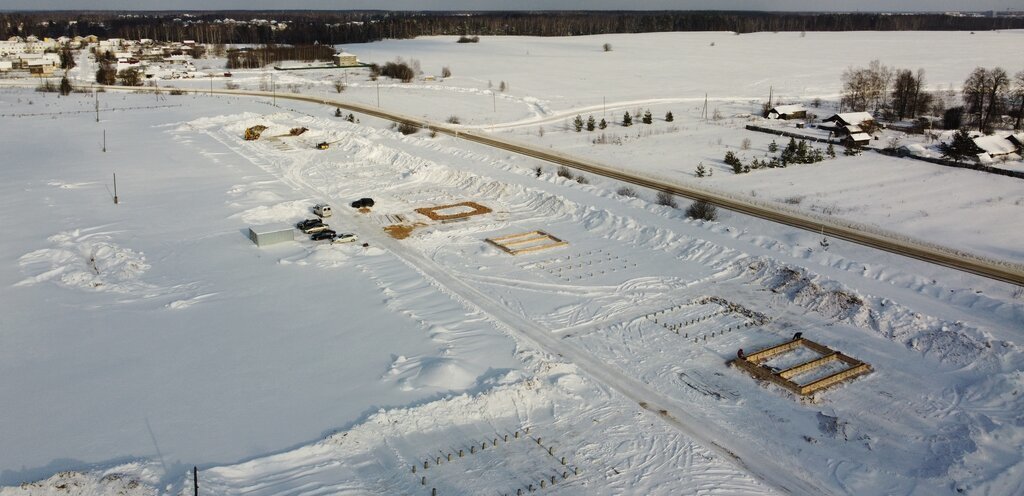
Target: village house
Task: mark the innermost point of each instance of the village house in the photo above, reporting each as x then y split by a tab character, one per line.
849	127
345	59
786	112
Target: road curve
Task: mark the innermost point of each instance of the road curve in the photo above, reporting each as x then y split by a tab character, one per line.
1004	271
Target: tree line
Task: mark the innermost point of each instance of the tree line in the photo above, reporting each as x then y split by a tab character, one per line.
897	94
339	27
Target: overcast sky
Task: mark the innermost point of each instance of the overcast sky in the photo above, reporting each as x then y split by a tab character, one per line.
808	5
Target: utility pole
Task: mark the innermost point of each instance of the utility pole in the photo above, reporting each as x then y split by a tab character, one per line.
211	84
494	101
378	94
96	94
104	141
116	200
273	88
195	480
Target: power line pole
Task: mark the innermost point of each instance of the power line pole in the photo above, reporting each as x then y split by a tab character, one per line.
195	480
378	94
96	94
116	200
494	100
104	141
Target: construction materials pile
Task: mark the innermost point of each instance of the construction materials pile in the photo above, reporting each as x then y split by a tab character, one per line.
253	133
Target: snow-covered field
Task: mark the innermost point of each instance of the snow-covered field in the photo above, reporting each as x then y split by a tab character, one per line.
143	338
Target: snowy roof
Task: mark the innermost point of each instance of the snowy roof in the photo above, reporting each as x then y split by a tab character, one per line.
344	54
995	145
860	137
853	129
788	109
852	117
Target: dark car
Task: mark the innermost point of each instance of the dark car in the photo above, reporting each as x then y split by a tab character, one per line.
363	203
325	235
310	226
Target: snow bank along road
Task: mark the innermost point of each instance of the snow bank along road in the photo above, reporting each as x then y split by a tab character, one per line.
1004	271
999	270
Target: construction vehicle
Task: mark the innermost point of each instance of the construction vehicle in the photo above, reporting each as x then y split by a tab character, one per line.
253	133
323	145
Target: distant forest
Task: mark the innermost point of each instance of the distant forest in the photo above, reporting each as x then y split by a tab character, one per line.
307	27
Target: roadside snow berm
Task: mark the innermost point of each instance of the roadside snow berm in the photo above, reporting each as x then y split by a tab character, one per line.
253	133
803	376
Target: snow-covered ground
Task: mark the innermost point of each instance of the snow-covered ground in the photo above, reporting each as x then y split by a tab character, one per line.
143	338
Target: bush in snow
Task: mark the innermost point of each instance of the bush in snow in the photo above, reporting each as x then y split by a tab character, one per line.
701	209
564	171
666	199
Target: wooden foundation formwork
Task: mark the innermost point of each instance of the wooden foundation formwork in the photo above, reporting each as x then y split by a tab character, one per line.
437	213
509	243
754	365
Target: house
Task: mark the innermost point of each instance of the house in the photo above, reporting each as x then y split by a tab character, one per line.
6	65
995	147
345	59
786	112
849	127
40	68
850	119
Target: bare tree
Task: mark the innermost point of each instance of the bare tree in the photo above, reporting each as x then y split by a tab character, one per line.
446	72
607	47
666	199
1018	96
999	84
974	91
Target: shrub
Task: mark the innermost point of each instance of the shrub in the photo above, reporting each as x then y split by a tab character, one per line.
232	85
607	47
446	72
745	144
701	209
454	119
626	191
582	179
564	171
177	92
666	199
398	70
537	171
407	128
468	39
669	117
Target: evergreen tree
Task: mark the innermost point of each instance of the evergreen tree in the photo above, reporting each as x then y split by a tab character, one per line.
701	170
627	120
591	124
65	86
830	151
577	123
852	150
734	161
648	119
669	117
602	124
961	147
351	118
801	153
337	112
773	147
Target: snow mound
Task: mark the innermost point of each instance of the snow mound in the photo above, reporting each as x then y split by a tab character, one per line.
133	479
91	261
280	212
438	372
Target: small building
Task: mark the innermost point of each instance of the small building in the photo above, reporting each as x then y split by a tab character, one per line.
847	127
786	112
272	234
345	59
850	119
6	65
994	146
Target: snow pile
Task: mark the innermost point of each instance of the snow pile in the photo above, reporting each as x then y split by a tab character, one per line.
86	261
132	479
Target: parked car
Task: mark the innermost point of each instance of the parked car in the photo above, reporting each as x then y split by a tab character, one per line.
346	238
363	203
325	235
310	226
322	209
